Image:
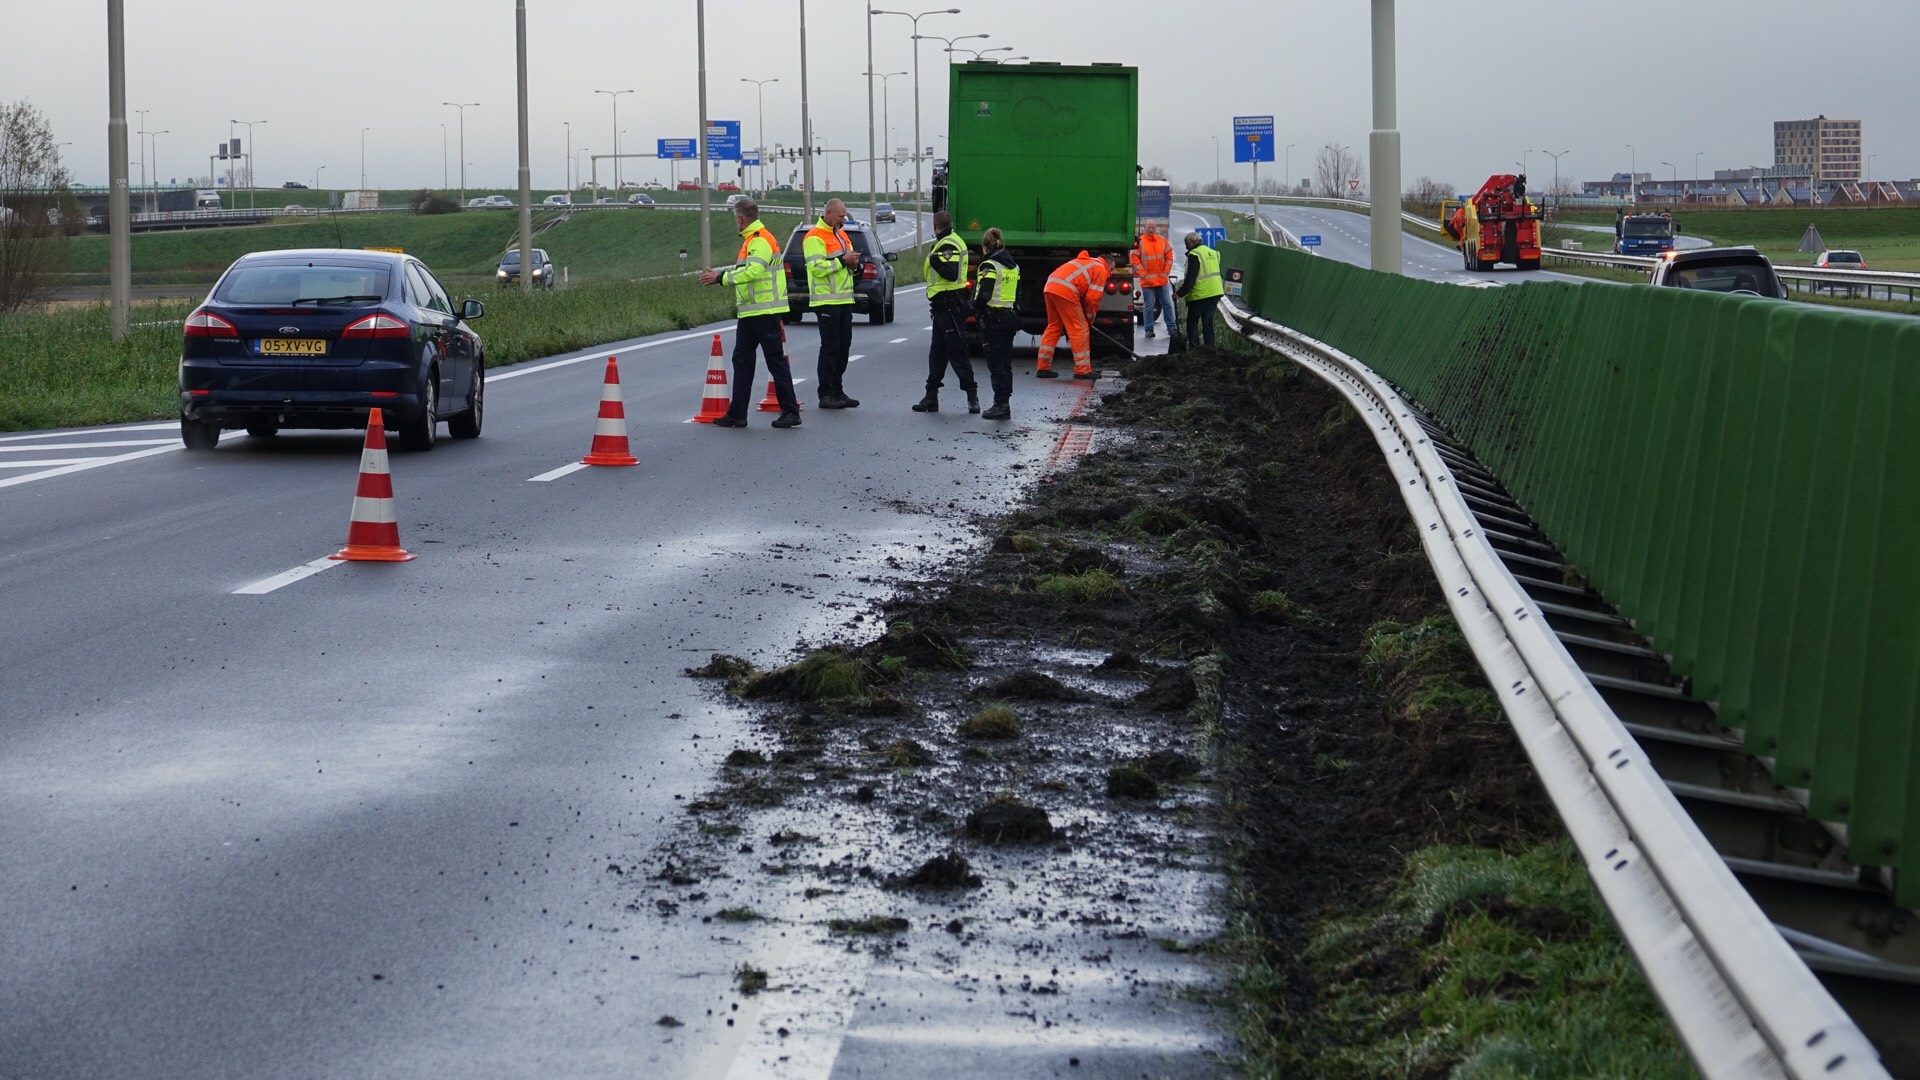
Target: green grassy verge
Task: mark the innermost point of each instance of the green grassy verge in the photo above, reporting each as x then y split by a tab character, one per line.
1888	237
61	369
1478	965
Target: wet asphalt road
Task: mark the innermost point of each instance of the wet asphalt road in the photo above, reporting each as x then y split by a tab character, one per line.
1344	236
369	823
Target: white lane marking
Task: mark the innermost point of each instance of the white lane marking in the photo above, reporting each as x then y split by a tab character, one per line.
94	463
898	340
856	356
43	464
558	473
81	446
597	354
171	425
304	570
797	1035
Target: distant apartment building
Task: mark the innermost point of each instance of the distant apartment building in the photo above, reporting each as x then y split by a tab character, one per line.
1829	149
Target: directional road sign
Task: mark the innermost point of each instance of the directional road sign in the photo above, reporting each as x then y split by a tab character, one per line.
1252	138
1310	240
679	149
723	140
1212	237
750	157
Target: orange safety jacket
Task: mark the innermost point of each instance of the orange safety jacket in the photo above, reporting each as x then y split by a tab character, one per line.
1152	261
1084	278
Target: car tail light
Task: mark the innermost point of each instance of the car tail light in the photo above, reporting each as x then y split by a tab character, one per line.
869	272
375	326
207	324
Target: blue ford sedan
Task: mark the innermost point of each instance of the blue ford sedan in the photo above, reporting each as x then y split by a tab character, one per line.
316	338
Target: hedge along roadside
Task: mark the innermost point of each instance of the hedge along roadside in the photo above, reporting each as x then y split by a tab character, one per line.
62	369
1731	472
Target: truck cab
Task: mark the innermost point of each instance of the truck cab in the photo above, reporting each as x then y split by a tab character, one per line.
1644	234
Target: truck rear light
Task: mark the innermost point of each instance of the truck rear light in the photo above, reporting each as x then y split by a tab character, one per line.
207	324
375	326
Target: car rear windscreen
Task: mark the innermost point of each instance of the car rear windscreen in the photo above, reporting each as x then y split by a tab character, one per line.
309	283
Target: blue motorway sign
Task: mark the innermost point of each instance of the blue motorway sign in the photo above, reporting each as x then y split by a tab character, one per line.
1211	237
749	157
723	140
1252	138
679	149
1310	240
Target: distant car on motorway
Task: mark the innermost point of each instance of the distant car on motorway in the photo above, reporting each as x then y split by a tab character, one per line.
1840	260
206	199
783	187
687	185
883	212
496	202
314	338
726	185
557	200
293	184
638	199
872	281
1727	270
477	200
508	272
294	208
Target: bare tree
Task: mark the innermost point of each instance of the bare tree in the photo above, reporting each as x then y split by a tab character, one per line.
1154	172
1424	196
1333	167
35	200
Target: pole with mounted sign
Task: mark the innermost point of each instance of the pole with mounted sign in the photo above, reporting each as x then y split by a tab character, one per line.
1253	142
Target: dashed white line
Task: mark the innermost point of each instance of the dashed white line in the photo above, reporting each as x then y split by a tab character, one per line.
856	356
82	446
305	570
558	473
898	340
597	354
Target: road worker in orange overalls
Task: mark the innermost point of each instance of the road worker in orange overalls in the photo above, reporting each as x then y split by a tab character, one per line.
1152	261
1073	294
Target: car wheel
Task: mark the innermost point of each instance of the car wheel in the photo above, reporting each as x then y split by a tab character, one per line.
418	433
877	314
889	309
198	435
467	424
262	431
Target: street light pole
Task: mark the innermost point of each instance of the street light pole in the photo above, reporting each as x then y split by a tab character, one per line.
1556	169
760	91
463	106
886	116
363	157
143	133
526	150
615	96
566	171
316	178
1216	163
120	230
919	189
1697	154
1286	164
1633	177
445	176
153	149
873	174
706	207
1384	145
806	125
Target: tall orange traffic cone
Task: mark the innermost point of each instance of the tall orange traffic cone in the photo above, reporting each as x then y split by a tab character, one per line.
373	532
771	403
610	431
717	398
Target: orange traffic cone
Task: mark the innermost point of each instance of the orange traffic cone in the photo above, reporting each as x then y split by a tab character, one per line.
373	534
717	398
610	432
771	403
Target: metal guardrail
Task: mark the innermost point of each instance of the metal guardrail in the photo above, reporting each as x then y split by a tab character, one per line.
1742	1002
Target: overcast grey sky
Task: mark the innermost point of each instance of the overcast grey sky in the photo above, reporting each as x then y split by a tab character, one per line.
1480	81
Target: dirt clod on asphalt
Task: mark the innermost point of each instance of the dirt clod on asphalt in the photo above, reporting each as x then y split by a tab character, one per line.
1009	822
948	871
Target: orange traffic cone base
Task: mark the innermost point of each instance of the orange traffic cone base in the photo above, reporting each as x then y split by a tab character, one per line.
597	458
771	403
361	553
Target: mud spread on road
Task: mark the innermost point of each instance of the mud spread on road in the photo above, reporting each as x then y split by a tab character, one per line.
1163	682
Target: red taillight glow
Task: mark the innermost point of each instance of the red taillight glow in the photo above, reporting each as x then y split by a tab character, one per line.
207	324
383	393
868	272
375	326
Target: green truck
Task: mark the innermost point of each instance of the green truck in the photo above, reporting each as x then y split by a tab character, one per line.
1047	154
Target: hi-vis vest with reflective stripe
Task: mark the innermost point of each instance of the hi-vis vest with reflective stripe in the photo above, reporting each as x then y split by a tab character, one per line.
1208	284
937	284
1082	279
829	281
759	286
1153	260
999	282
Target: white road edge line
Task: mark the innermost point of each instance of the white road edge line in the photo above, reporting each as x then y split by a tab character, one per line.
557	473
43	447
597	354
896	341
42	464
173	425
304	570
94	463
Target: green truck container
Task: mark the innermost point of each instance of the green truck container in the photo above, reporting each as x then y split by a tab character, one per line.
1047	154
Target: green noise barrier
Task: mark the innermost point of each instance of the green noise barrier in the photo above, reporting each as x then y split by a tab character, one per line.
1739	476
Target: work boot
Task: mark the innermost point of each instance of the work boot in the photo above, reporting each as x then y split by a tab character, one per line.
997	411
729	420
787	419
930	403
849	403
1046	373
973	399
1149	331
832	401
1083	374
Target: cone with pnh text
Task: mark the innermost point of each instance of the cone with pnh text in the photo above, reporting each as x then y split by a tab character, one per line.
771	403
715	401
610	431
373	531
